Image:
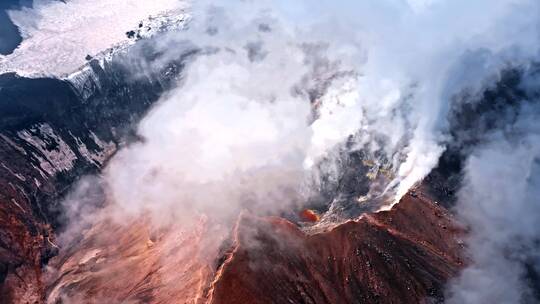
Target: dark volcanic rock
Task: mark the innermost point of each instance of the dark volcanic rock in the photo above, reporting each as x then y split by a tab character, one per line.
52	132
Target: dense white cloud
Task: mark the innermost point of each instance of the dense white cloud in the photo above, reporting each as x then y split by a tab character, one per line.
230	137
239	131
499	201
405	63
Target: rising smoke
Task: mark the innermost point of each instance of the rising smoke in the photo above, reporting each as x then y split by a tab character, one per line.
499	202
278	85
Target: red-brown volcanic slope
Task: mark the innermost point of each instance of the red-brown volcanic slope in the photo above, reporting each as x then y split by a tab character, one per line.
25	241
132	264
404	255
399	256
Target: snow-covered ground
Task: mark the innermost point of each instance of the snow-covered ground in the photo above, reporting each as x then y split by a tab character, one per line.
58	36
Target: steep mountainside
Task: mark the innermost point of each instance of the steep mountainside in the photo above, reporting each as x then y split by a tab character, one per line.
401	256
404	255
52	132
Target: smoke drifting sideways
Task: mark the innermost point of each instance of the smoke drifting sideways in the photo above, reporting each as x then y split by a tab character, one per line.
382	71
500	203
278	85
231	136
385	72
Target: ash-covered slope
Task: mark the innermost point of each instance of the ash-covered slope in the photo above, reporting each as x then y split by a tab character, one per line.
52	132
115	263
401	256
404	255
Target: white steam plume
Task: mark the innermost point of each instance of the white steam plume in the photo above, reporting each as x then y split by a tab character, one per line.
400	65
232	135
405	58
236	134
500	203
412	58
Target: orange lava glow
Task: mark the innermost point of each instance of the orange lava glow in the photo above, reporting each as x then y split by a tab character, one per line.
309	215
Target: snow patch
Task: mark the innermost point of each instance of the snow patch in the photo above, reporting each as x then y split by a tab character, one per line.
17	175
85	82
98	158
107	148
18	205
60	158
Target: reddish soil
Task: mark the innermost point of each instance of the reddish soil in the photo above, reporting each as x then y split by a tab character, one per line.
404	255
